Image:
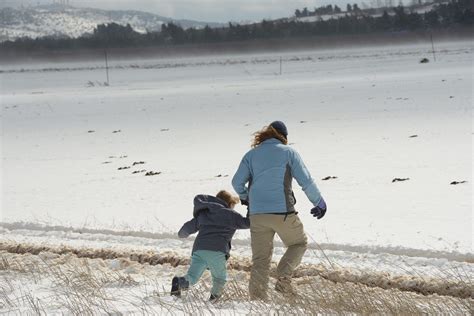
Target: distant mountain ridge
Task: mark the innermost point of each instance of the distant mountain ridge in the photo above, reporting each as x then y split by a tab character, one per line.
60	20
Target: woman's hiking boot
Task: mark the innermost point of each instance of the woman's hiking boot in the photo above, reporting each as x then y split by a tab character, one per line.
284	285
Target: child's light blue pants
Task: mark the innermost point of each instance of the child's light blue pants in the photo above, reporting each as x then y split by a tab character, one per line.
216	262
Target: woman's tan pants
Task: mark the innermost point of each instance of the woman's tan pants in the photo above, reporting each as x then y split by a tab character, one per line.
262	229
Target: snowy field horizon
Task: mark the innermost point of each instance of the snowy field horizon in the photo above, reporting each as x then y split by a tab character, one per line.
365	116
97	179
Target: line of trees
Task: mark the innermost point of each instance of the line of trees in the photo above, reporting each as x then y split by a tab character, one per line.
455	13
355	9
326	10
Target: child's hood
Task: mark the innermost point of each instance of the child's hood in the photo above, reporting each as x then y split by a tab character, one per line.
204	202
209	210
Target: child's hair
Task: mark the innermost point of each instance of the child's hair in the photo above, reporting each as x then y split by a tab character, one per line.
265	133
228	198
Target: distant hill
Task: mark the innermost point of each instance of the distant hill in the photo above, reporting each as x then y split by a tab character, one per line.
59	20
125	29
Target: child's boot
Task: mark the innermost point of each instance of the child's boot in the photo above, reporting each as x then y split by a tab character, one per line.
178	284
214	298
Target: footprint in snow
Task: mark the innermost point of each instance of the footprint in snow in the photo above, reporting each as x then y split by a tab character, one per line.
328	178
139	171
400	179
123	168
152	173
458	182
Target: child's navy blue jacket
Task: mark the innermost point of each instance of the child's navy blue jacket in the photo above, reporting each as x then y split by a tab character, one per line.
216	224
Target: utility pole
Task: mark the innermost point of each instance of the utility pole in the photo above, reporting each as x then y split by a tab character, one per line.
106	66
280	65
432	46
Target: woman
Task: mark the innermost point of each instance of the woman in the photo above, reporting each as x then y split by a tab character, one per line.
263	182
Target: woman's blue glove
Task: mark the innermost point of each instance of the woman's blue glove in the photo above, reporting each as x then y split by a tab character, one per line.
320	210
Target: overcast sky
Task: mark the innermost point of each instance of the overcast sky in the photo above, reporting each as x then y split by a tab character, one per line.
203	10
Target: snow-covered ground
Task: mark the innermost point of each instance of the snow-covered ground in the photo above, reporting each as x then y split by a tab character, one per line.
363	115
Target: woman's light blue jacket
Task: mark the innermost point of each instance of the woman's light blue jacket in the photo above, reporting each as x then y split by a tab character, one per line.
265	175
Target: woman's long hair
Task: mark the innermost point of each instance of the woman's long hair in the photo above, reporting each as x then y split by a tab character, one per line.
265	133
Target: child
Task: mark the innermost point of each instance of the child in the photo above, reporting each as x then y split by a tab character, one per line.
216	222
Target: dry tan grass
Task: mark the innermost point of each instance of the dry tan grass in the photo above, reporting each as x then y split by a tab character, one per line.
448	283
83	286
74	286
